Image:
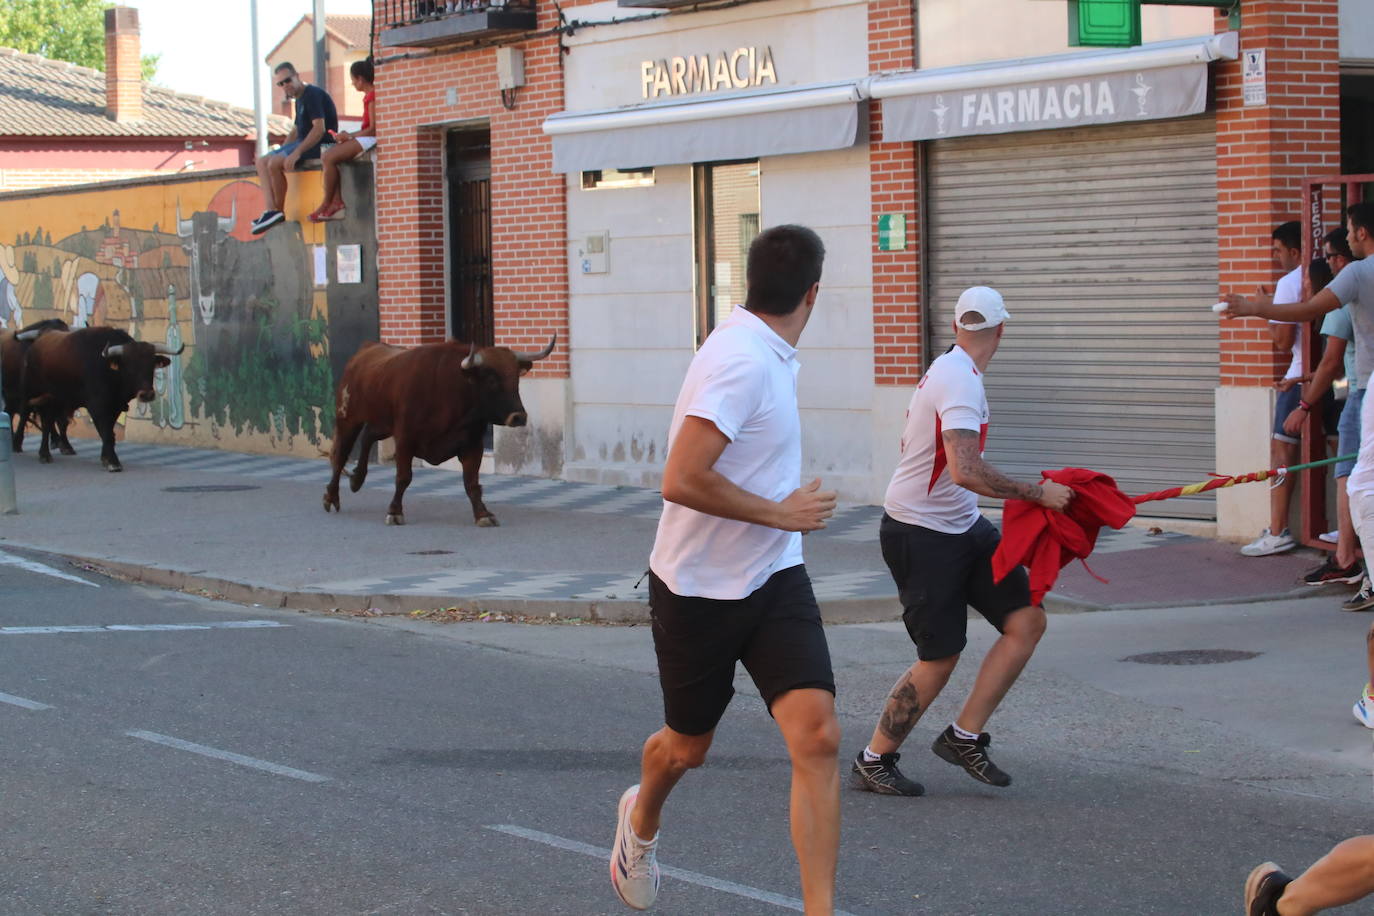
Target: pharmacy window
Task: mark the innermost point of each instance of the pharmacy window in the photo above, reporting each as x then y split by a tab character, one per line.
726	197
607	179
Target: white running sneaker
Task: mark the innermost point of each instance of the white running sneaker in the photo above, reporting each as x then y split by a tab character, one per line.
1268	544
1364	708
634	865
1330	537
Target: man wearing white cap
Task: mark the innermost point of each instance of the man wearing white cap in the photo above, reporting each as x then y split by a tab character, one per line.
939	549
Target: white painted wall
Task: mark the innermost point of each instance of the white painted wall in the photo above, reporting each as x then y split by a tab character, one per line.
1357	31
1245	421
632	332
954	32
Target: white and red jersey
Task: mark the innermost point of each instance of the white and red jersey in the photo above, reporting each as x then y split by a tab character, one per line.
950	396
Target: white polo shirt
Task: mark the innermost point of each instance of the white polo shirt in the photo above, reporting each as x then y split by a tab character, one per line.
744	380
949	396
1287	292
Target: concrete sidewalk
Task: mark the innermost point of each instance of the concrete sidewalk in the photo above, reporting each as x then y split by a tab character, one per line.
252	528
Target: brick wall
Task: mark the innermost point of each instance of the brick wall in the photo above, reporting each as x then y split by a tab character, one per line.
528	199
1263	153
893	168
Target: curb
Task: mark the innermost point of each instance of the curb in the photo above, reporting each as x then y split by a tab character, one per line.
617	611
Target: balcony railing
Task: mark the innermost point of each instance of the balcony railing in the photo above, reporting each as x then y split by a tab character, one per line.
427	23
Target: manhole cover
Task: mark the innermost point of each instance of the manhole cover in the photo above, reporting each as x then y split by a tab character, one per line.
1191	657
212	488
429	553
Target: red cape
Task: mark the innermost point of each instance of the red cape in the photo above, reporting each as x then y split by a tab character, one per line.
1047	541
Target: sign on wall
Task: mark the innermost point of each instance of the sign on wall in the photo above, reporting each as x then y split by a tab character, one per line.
742	68
1167	92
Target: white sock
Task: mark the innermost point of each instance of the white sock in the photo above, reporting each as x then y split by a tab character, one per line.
967	736
870	757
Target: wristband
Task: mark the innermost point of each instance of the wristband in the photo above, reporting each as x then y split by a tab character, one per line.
1304	405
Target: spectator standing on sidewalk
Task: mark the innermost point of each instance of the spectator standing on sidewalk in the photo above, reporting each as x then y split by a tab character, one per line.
1285	248
1354	287
316	117
347	146
939	549
1338	360
726	581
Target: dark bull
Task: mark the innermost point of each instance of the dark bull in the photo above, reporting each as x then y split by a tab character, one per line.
100	369
435	400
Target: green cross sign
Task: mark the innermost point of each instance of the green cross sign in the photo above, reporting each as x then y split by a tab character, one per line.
1116	23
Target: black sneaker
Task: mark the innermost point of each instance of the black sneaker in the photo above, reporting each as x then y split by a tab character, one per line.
883	777
971	756
1363	600
1331	572
1263	889
267	220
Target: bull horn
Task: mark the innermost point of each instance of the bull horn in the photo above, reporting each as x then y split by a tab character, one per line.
183	225
27	336
226	223
163	351
535	357
111	351
473	359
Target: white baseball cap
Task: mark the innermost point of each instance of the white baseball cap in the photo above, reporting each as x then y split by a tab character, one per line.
984	300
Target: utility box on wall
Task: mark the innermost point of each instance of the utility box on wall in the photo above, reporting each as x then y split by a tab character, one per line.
594	254
510	68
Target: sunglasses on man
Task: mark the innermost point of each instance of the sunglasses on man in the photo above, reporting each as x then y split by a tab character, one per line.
285	80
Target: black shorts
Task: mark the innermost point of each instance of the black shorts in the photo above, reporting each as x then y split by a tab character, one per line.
776	632
939	576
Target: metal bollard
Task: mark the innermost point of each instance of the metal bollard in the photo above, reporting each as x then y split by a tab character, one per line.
9	505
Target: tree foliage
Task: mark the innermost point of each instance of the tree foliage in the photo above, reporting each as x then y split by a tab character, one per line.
70	30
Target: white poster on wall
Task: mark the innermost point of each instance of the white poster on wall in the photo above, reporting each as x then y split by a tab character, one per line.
350	264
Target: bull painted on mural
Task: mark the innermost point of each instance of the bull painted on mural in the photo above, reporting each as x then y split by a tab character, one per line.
436	401
202	237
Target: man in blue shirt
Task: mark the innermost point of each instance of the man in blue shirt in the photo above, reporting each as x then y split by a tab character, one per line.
316	117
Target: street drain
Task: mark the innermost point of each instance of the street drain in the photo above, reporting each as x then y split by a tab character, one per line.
1191	657
212	488
429	553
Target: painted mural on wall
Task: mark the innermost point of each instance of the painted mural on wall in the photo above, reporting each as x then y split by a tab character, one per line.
173	263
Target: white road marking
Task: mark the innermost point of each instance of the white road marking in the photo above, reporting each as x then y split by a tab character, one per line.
691	877
9	559
229	756
142	627
20	701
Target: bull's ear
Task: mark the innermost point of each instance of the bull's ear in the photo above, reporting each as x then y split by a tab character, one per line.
525	367
114	364
161	362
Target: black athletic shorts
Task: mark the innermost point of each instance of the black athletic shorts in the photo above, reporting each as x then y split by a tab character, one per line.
939	576
776	632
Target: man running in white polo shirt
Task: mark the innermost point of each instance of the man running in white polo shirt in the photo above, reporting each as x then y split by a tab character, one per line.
727	582
939	549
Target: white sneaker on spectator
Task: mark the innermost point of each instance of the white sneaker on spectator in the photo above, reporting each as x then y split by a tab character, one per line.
1329	537
634	863
1364	708
1267	544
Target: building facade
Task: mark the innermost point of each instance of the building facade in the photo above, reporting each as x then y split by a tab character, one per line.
599	173
63	124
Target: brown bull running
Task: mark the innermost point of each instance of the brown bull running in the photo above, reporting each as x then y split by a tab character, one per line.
435	400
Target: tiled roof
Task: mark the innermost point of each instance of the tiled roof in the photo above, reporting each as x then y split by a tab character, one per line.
51	98
354	31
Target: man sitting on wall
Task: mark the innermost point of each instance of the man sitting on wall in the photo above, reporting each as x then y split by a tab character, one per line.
315	117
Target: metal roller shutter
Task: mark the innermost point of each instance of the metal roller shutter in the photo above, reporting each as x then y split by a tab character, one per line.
1103	241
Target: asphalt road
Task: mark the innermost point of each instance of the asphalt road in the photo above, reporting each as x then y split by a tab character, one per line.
240	760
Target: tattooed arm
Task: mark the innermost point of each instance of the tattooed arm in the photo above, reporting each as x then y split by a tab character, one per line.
968	469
